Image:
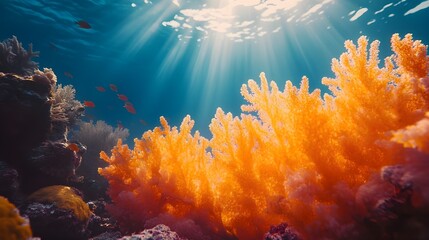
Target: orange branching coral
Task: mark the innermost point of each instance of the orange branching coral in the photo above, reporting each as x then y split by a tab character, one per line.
163	179
301	159
266	154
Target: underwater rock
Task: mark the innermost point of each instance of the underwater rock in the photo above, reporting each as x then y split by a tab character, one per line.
101	222
51	163
9	182
98	207
159	232
15	59
12	225
57	212
25	115
281	232
107	236
46	77
98	225
50	222
92	188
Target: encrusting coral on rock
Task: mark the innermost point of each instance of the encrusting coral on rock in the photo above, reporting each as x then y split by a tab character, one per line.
57	212
311	162
12	225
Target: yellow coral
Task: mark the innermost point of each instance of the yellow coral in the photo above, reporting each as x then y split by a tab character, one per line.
300	160
63	197
12	225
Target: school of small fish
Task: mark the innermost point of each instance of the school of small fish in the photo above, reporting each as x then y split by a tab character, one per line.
129	107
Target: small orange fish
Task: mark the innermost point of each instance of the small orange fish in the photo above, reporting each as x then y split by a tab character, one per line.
73	146
130	108
89	104
100	89
122	97
83	24
113	87
68	74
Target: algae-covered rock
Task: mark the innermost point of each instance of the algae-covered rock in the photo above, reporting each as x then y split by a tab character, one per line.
58	212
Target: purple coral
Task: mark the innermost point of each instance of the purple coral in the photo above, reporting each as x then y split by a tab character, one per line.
281	232
395	204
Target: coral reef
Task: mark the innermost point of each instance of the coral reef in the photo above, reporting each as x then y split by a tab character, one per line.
294	157
15	59
97	137
57	212
36	115
12	225
34	149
